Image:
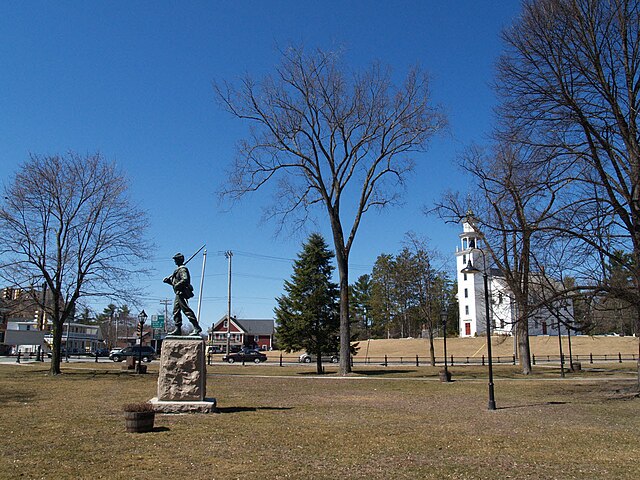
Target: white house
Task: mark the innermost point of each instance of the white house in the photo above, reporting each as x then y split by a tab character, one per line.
79	337
502	307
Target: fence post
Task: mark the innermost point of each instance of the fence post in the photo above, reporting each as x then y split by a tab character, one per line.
417	361
209	358
533	357
483	360
514	359
619	357
467	360
351	361
452	360
96	356
18	359
385	361
591	358
280	358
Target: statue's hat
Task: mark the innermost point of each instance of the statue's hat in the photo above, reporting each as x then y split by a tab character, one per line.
178	255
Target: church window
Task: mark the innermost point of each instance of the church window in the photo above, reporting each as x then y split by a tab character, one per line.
466	309
466	293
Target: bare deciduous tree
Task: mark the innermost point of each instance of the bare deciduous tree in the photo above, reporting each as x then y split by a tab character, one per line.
570	80
515	201
69	223
331	138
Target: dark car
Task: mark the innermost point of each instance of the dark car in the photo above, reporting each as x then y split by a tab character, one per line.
309	357
245	356
146	352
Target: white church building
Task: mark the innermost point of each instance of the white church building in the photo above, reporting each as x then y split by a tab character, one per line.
502	307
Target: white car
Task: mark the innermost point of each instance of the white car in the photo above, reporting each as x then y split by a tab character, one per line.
309	357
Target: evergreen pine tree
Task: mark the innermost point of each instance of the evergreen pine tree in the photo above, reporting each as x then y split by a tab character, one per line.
308	315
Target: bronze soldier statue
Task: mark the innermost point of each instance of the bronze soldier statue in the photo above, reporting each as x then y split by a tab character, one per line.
181	282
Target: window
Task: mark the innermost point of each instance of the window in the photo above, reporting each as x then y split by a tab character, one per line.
465	276
466	293
466	309
464	259
226	324
464	243
472	243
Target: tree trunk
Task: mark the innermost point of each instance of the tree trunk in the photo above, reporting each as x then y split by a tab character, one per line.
345	327
524	352
342	260
57	344
432	351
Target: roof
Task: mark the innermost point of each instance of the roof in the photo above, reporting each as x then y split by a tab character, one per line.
256	326
252	326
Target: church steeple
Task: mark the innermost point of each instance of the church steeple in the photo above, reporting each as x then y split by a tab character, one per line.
468	284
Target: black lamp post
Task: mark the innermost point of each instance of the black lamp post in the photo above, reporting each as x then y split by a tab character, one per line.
471	269
445	375
142	317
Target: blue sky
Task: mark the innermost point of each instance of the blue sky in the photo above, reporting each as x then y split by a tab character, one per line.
133	80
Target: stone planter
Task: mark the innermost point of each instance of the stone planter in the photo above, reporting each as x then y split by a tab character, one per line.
445	375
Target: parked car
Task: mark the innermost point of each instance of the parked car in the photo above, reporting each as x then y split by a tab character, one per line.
102	352
245	356
309	357
146	352
212	349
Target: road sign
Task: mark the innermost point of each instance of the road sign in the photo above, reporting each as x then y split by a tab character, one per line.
157	321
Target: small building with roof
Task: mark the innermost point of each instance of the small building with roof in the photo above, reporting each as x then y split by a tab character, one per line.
242	332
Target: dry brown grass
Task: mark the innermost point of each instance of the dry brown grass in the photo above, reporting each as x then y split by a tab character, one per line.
501	346
277	422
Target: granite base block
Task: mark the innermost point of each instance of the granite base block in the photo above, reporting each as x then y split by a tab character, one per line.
206	406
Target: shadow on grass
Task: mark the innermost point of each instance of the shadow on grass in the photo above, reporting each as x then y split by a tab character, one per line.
160	429
15	396
248	409
382	371
532	405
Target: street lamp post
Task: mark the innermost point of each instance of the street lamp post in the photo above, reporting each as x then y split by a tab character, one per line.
471	269
447	376
142	317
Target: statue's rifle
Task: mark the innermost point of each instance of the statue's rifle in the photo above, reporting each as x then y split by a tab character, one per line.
191	257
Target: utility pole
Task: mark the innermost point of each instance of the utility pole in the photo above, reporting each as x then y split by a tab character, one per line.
229	254
204	263
166	303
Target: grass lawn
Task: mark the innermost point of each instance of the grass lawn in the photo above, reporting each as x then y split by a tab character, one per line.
392	423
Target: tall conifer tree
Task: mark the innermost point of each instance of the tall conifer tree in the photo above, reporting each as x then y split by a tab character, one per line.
308	315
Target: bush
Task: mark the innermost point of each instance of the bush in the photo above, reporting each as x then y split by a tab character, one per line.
138	407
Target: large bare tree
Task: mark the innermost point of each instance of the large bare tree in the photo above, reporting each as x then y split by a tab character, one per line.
515	201
329	137
67	221
570	80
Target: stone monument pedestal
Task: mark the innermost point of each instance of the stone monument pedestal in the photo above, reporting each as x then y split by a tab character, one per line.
182	381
